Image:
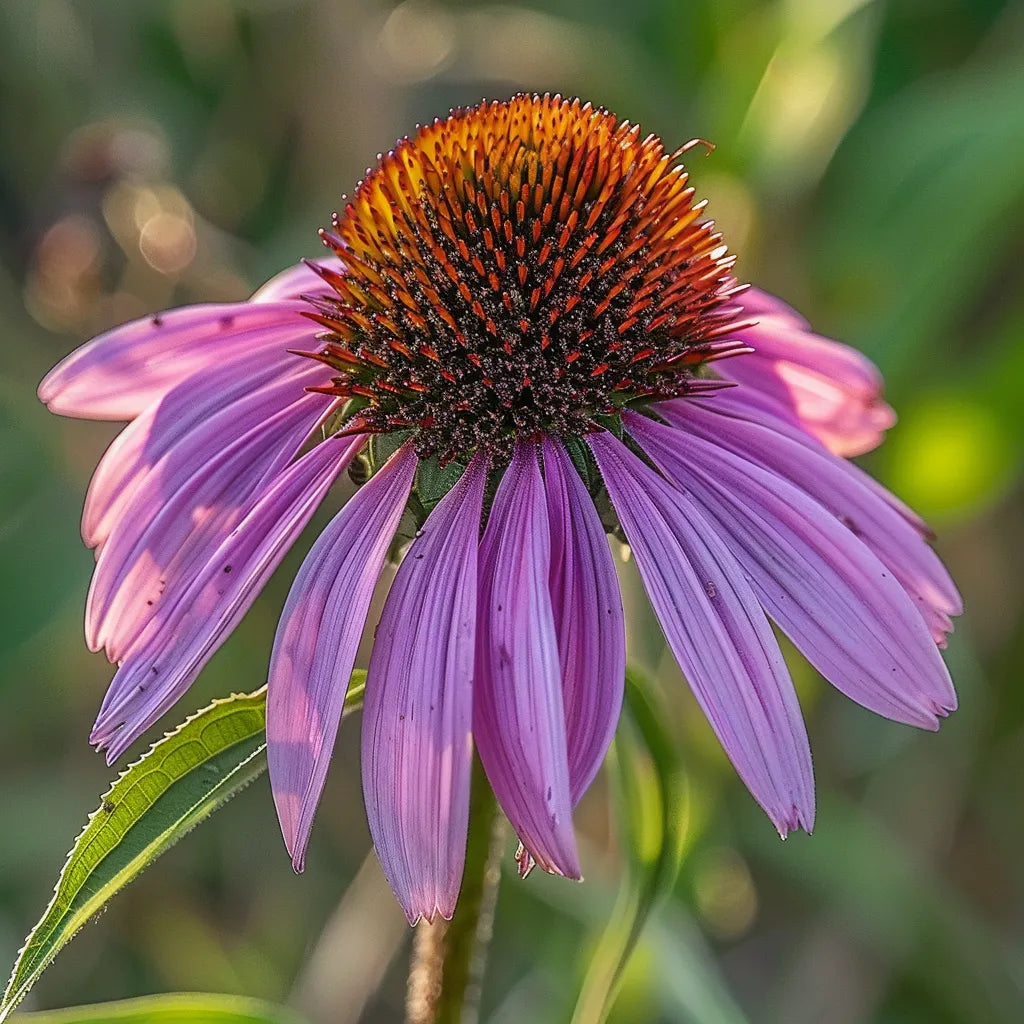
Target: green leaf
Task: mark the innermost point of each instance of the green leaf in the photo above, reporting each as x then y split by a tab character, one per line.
652	816
179	782
181	1008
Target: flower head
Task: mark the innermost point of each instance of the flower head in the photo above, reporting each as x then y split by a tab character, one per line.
524	318
520	268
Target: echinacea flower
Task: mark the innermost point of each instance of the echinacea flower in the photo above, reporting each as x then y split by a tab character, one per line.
524	319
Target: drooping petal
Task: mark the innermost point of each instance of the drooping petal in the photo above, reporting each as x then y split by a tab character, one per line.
837	486
518	710
118	474
418	714
235	389
826	387
717	632
846	423
316	642
292	283
589	622
186	505
827	591
748	404
189	629
116	375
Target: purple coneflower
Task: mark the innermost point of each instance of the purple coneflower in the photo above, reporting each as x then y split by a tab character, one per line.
529	337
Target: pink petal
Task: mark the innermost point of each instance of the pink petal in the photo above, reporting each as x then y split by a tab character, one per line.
831	390
292	283
839	487
316	642
827	591
235	388
117	476
418	715
758	303
187	503
747	404
518	712
783	334
116	375
589	622
188	630
717	632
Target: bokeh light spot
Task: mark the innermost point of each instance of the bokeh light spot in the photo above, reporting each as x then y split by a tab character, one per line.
948	455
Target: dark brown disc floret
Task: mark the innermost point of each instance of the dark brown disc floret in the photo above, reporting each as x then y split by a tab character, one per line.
521	267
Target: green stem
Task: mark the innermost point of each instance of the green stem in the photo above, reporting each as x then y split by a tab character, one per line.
448	957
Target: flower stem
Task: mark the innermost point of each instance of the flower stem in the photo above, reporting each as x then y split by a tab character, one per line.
448	957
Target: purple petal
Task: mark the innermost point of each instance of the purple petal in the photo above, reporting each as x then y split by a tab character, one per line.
518	712
187	630
717	632
758	303
748	404
292	283
418	715
831	390
837	486
316	642
121	469
778	338
116	375
187	504
235	389
588	615
827	591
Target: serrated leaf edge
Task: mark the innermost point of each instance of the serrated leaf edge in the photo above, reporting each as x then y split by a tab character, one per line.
13	996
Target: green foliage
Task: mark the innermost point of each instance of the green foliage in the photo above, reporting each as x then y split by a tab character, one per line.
867	171
652	817
38	532
179	782
170	1009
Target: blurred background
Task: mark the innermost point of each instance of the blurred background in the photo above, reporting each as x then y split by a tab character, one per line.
869	169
